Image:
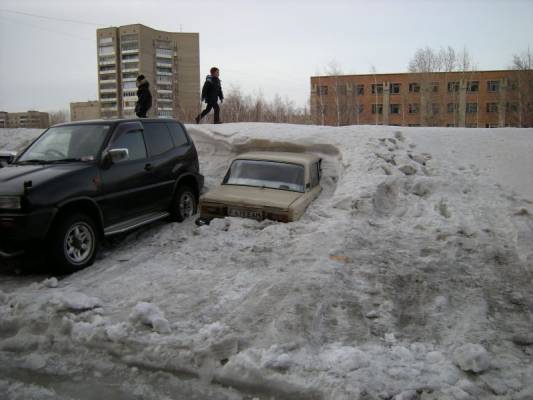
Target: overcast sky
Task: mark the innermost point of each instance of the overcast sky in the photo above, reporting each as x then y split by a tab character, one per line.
268	46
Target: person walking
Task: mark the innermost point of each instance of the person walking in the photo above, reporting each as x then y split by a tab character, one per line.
144	97
211	92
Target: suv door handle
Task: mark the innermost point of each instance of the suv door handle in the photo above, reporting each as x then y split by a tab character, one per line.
148	167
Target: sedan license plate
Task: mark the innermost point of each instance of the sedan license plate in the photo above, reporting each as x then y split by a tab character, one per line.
244	213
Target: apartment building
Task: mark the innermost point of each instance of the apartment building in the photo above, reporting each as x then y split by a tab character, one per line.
28	119
169	60
465	99
84	110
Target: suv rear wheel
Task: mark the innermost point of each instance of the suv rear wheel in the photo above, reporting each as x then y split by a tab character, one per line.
184	204
74	242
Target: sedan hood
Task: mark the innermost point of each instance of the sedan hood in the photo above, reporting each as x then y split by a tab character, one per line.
246	196
12	177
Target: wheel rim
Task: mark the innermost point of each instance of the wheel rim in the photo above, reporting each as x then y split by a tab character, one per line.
186	205
79	243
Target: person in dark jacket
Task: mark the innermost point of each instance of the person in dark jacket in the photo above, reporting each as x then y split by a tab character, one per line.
144	97
211	92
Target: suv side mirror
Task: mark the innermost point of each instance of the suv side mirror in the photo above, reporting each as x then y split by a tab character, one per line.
7	157
118	155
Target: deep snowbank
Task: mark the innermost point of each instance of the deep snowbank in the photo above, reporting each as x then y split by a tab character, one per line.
410	276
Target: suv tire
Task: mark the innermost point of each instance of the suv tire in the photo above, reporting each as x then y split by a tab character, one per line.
184	204
74	242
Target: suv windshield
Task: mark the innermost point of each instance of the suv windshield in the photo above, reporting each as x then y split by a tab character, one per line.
268	174
67	143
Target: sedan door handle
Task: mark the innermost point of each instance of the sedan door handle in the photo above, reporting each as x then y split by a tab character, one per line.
148	167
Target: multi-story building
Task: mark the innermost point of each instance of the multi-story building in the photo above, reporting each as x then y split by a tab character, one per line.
169	60
465	99
28	119
84	110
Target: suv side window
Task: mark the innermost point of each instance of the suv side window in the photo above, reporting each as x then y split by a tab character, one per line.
315	174
134	142
178	134
157	138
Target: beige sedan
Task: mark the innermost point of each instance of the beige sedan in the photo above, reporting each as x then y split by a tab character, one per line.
264	185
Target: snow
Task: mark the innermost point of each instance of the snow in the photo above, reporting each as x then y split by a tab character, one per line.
392	285
472	357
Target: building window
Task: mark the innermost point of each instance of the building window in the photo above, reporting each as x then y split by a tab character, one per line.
472	86
104	68
452	107
493	86
414	87
377	108
433	109
413	125
128	85
492	107
360	90
359	109
491	125
108	95
434	87
471	125
512	107
395	88
105	40
377	88
513	84
164	53
322	90
453	86
394	108
106	51
471	108
450	125
413	108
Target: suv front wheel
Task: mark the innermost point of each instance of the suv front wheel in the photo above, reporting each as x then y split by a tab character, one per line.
184	204
74	242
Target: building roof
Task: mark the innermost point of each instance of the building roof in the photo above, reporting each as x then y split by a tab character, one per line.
416	73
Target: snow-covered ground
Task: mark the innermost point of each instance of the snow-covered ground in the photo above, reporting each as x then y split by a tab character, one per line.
410	277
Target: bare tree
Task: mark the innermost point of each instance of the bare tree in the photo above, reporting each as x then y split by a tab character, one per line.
338	90
523	87
59	116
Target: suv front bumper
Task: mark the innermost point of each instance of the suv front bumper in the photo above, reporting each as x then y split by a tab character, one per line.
20	230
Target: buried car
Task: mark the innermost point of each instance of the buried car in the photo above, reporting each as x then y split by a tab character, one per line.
81	181
264	185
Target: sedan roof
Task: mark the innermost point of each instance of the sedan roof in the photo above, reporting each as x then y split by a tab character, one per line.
279	156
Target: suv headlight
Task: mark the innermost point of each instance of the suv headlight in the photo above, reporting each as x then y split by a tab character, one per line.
10	202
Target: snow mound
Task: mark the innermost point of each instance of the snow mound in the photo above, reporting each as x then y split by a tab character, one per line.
150	314
472	357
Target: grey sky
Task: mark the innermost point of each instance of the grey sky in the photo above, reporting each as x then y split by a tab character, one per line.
269	46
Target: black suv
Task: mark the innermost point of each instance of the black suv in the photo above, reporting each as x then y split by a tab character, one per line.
78	182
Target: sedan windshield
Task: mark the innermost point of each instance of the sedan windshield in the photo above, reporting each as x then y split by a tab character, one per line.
67	143
267	174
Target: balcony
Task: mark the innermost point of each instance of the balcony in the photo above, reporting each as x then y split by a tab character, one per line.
164	108
108	90
103	81
166	54
129	108
164	64
110	71
107	62
162	73
160	100
127	60
108	108
130	51
164	91
109	100
136	69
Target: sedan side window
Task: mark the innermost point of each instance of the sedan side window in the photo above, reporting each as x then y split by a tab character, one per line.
315	174
134	142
